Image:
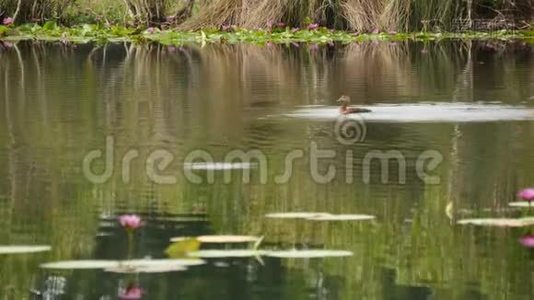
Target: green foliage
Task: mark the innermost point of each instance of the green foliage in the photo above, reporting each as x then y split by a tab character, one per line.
96	32
3	30
182	248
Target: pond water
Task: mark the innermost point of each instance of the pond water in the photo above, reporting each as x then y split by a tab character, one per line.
169	120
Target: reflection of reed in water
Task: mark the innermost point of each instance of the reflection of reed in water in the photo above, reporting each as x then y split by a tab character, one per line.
152	96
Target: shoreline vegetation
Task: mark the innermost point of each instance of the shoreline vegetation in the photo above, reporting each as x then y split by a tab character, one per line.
264	21
50	31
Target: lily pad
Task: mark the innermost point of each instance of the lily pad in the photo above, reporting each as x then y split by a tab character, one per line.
125	264
312	253
499	222
181	219
218	166
140	263
227	238
22	249
328	217
525	204
296	215
125	269
226	253
181	247
81	264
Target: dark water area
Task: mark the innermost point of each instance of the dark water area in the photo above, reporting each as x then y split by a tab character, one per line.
150	103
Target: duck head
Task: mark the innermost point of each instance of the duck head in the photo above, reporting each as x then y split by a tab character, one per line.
344	100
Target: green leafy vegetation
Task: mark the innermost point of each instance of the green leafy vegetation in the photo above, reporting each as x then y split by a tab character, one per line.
95	32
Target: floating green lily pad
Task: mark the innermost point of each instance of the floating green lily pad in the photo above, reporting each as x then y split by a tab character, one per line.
499	222
139	264
181	219
81	264
520	204
185	262
22	249
227	238
125	269
226	253
313	253
328	217
296	215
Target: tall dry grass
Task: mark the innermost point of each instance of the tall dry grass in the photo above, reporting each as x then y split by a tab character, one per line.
357	15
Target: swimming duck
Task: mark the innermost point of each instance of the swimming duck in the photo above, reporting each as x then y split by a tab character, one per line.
345	109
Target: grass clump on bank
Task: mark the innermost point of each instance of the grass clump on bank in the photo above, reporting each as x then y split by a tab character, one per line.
352	15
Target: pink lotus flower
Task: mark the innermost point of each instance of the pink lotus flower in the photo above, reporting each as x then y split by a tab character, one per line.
8	21
313	26
151	30
527	241
526	194
130	222
132	293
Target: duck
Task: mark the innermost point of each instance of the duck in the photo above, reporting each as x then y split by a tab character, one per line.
345	109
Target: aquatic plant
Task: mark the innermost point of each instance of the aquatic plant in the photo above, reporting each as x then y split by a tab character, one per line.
113	264
221	239
527	241
526	194
132	292
499	222
21	249
130	222
51	31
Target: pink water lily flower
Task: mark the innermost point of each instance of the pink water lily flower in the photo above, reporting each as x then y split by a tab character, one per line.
8	21
130	222
313	26
527	241
132	293
526	194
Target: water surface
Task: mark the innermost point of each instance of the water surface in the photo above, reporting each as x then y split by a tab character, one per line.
58	103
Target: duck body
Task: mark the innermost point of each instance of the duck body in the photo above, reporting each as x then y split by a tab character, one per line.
345	109
353	110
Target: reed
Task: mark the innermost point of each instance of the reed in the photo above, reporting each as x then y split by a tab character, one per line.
34	10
